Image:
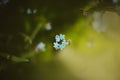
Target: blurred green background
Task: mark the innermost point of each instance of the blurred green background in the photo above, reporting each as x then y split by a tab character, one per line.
91	55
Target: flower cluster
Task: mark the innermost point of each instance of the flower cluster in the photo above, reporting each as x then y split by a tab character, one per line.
60	42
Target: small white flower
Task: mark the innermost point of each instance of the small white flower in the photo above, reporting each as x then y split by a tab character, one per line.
29	11
57	38
40	46
62	37
56	45
90	44
5	1
48	26
99	24
34	11
115	1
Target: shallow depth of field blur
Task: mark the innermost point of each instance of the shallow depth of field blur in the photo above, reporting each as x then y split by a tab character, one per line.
27	35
